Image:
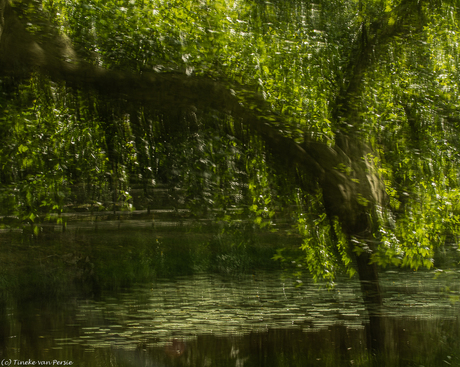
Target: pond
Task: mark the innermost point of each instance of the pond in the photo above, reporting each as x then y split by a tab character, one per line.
254	320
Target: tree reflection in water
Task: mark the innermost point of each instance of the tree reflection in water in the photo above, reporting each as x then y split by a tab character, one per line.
408	342
206	321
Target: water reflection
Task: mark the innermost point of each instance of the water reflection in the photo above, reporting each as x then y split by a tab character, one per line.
209	320
210	304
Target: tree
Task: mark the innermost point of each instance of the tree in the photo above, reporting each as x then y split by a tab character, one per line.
354	101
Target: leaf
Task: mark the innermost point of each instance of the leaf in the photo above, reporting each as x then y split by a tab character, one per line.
23	148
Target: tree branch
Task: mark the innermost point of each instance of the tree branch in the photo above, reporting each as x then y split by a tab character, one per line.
349	195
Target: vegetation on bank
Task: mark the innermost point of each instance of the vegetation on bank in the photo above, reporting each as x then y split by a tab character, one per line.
346	110
86	262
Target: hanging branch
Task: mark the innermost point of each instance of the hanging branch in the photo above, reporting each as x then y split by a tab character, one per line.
346	194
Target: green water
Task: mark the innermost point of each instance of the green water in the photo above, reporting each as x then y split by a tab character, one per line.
247	320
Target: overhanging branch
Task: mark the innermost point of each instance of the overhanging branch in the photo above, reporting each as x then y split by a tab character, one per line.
349	194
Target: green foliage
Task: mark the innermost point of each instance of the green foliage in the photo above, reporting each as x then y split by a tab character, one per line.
62	147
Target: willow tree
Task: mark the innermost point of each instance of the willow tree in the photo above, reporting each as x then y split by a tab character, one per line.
358	100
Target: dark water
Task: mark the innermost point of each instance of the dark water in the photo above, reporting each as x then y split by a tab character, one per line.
261	320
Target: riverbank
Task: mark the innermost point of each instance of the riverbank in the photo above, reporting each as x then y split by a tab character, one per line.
82	262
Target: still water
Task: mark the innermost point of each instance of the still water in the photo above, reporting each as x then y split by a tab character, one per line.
250	320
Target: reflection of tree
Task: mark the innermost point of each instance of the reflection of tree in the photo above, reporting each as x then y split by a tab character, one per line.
4	327
352	192
336	345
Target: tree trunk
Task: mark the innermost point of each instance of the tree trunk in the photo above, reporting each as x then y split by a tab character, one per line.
372	296
351	191
355	195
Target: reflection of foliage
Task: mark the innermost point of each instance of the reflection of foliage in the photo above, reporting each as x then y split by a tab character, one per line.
237	249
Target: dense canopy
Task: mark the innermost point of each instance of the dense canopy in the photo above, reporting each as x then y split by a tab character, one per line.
341	115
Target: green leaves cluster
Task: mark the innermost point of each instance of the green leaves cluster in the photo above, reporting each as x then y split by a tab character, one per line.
386	72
